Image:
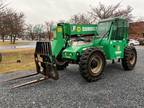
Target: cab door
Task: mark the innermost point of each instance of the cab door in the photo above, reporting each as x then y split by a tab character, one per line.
117	39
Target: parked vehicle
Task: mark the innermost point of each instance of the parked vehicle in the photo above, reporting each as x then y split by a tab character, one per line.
141	41
133	42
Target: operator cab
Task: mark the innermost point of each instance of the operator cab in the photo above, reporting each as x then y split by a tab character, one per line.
113	34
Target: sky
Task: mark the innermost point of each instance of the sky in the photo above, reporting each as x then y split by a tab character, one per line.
39	11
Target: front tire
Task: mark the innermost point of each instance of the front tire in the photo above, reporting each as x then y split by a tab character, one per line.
130	58
92	64
61	65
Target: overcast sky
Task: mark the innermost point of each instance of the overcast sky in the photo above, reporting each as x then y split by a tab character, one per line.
39	11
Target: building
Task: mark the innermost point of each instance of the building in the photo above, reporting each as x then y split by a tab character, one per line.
136	30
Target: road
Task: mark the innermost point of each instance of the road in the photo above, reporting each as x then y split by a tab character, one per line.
117	89
23	44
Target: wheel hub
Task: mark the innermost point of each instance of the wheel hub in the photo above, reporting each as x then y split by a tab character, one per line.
132	58
95	65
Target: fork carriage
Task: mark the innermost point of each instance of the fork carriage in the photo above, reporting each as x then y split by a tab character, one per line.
44	60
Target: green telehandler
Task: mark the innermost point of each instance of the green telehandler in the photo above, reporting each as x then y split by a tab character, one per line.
88	45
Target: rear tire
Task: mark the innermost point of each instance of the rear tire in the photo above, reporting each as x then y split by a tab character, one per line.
92	64
130	58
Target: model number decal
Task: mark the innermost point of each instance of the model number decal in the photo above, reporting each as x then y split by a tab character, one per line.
84	29
88	28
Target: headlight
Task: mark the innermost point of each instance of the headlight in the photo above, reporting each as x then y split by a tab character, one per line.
68	54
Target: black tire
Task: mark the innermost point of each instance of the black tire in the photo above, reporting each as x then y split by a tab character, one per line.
0	57
61	65
92	64
130	58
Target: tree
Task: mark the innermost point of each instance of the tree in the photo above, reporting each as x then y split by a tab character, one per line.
3	28
48	32
106	11
80	19
30	31
15	23
11	22
2	18
39	31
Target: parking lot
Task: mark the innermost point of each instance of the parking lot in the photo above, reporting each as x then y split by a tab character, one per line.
117	88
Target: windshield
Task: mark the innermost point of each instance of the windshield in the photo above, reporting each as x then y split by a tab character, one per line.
81	40
103	28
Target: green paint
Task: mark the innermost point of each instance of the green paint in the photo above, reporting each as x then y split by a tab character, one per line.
109	35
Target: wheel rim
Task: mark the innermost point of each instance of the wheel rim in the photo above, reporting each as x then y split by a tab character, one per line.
132	58
95	65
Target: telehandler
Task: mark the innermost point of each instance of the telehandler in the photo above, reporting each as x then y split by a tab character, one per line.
87	45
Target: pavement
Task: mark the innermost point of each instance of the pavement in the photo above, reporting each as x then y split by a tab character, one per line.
116	89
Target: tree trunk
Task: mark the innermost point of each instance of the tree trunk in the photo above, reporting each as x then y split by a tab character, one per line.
32	36
14	39
11	38
3	39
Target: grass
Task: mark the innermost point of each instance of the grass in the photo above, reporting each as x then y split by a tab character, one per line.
10	57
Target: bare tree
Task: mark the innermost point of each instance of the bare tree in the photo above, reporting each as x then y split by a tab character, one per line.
15	23
39	31
48	32
48	25
103	11
126	13
12	24
80	19
2	19
30	31
2	26
18	23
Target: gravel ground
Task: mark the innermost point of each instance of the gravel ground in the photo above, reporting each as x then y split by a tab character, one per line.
117	88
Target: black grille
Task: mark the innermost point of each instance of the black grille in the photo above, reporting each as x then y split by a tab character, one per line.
43	48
